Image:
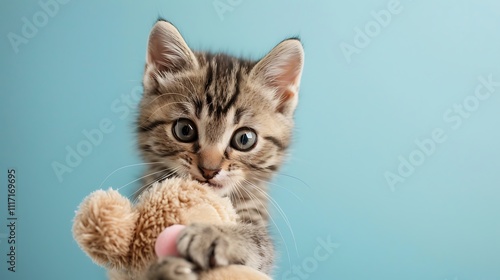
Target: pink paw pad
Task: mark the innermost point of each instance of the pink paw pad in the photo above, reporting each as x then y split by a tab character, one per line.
166	243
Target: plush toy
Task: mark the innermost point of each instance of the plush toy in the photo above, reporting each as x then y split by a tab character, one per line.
127	239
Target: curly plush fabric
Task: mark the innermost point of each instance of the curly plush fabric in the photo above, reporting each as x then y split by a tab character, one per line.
121	236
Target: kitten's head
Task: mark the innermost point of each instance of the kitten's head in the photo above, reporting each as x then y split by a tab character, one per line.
215	118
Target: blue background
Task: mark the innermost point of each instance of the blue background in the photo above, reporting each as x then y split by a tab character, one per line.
357	115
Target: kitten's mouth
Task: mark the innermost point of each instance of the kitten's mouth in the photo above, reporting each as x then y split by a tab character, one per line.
211	184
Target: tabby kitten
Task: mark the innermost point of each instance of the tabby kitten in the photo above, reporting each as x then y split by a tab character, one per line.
223	121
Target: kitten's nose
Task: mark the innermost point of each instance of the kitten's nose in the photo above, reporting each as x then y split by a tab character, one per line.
208	173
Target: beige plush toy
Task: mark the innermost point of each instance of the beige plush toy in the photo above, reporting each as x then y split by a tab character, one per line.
121	236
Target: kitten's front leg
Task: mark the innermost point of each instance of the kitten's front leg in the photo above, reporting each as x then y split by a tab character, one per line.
210	246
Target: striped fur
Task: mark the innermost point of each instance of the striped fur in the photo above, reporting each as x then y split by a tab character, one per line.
220	94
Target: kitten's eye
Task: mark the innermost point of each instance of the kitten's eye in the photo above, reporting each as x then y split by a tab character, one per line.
244	139
184	130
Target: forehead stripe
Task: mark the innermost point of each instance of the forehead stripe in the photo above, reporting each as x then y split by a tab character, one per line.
208	80
236	92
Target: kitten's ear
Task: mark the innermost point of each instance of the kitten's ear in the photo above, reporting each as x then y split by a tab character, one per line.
167	50
281	70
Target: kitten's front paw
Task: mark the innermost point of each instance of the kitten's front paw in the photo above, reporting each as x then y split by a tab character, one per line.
172	268
209	246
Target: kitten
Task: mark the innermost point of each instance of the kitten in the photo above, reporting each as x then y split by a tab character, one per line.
223	121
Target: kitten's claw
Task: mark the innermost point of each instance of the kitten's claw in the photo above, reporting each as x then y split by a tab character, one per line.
208	246
172	268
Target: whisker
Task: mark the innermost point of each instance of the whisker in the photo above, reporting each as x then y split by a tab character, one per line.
140	178
296	178
125	166
162	177
280	211
273	221
286	189
252	198
240	196
189	90
167	93
162	106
